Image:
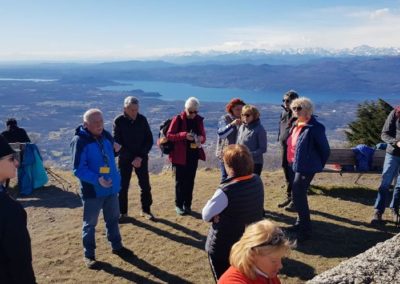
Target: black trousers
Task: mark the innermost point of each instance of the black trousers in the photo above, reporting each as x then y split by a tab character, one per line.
257	169
218	266
301	183
184	183
142	173
286	171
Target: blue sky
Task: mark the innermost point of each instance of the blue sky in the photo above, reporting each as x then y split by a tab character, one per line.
122	29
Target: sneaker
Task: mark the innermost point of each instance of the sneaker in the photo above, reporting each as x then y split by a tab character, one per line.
147	215
395	215
377	218
179	211
123	252
90	262
285	203
291	207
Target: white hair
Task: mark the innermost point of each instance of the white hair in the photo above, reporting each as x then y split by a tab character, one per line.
192	102
131	100
89	113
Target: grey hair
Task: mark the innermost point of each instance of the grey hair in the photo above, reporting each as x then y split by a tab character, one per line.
131	100
305	103
89	113
192	102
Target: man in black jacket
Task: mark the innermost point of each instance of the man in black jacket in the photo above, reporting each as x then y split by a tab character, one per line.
15	243
285	123
132	131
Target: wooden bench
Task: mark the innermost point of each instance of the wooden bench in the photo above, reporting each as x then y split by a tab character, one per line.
345	157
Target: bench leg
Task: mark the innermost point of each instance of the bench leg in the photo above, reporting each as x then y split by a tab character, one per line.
358	178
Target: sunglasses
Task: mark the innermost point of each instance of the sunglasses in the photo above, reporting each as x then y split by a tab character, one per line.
193	112
246	114
297	108
11	158
286	100
277	239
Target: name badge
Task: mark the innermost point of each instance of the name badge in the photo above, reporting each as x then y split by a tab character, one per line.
193	146
104	170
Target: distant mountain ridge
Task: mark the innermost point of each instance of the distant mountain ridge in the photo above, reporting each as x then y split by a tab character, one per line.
283	56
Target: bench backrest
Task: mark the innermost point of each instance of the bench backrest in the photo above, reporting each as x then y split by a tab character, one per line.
347	157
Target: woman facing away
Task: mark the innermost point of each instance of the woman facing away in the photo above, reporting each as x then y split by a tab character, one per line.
252	134
237	202
187	134
228	126
257	257
15	243
307	152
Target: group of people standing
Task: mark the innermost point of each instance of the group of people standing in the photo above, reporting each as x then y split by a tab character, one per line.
238	200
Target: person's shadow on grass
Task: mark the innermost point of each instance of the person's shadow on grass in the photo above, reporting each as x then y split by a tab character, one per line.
131	258
196	243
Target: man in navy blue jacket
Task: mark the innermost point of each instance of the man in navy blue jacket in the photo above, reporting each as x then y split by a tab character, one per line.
94	165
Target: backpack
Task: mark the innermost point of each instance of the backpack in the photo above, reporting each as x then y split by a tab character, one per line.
163	143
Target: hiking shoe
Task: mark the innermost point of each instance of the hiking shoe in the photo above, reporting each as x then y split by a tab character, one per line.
147	215
187	210
395	215
291	207
179	211
123	218
123	252
90	262
285	203
377	218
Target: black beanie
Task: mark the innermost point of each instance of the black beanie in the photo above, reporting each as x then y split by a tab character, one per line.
5	149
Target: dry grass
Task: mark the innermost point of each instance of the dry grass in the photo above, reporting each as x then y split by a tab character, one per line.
171	249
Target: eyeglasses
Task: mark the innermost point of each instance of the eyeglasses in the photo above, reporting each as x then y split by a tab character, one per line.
299	108
193	112
278	238
11	158
246	114
286	100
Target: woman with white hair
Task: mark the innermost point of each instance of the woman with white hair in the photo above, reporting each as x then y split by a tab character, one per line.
307	152
187	134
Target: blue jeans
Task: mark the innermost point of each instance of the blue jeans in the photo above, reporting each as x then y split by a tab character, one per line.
300	184
91	211
391	168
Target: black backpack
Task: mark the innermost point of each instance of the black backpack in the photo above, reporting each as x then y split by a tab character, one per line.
165	145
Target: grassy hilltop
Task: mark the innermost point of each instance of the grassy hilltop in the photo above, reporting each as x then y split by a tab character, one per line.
171	250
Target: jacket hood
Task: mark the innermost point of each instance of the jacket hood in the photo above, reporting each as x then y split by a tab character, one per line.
82	132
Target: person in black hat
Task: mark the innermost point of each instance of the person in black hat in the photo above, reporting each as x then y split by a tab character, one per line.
15	243
15	134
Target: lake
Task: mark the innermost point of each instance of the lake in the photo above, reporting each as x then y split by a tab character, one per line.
181	91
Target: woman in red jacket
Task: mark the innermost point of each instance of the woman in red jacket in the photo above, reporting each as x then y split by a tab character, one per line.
187	133
257	257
